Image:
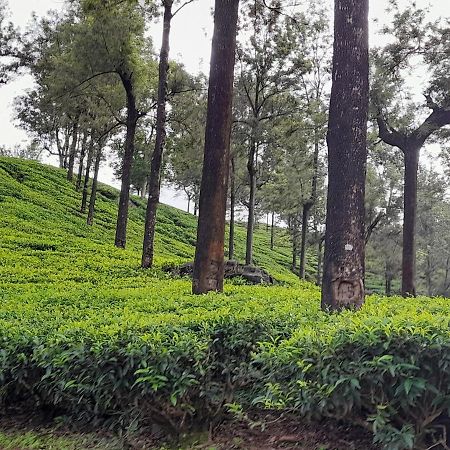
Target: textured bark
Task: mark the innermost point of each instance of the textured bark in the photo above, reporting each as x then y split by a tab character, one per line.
98	158
343	278
155	170
73	149
80	167
410	223
251	168
209	252
132	119
232	209
90	156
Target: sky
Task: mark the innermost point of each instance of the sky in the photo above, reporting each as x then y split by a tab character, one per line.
190	44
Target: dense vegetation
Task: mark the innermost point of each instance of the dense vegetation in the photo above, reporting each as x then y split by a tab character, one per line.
86	333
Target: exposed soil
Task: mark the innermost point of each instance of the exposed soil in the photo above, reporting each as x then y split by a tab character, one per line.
278	432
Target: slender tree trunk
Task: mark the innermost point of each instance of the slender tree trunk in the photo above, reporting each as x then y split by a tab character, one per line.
98	158
319	262
86	176
60	149
66	148
155	171
80	168
305	218
209	251
272	232
409	223
251	203
232	209
195	208
132	119
343	278
73	149
388	280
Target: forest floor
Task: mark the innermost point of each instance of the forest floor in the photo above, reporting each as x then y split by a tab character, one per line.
278	432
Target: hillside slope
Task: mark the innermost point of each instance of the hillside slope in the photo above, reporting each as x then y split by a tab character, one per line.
44	237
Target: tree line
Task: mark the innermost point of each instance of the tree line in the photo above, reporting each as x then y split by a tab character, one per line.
253	135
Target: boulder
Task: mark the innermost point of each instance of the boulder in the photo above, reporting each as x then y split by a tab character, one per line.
233	269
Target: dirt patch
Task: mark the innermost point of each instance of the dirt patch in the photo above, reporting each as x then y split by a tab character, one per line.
266	432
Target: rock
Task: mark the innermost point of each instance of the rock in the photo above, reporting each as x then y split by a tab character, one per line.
233	269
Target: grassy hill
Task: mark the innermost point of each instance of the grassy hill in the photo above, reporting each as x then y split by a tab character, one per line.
45	238
85	334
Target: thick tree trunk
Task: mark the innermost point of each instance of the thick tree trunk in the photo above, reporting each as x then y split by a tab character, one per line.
409	222
80	167
232	210
251	203
343	278
209	252
73	149
155	170
132	119
98	158
272	232
90	156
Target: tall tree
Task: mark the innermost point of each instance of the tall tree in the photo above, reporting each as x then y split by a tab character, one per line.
343	278
269	67
399	123
209	251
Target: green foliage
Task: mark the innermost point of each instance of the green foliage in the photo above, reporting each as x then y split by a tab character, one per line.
86	333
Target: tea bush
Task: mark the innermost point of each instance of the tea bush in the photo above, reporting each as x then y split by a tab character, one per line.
87	334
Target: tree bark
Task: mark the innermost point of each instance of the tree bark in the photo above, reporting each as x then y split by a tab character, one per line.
86	176
305	218
82	155
319	262
132	119
388	280
66	147
410	222
98	158
343	278
251	203
272	232
73	149
155	171
232	210
209	252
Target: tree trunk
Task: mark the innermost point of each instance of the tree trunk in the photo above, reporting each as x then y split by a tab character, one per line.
73	149
319	262
272	232
209	251
82	155
305	218
132	119
86	176
60	149
409	223
232	210
343	278
66	148
155	170
388	280
251	203
98	158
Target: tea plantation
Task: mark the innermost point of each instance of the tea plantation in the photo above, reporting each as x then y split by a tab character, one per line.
86	334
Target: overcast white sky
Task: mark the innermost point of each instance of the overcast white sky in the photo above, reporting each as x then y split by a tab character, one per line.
190	43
